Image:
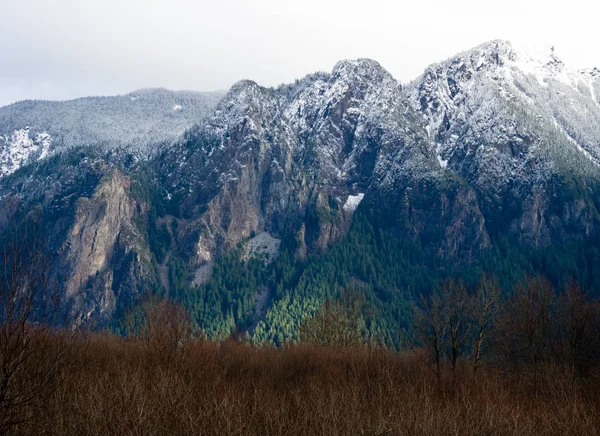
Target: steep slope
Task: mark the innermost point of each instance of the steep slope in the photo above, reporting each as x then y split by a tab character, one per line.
105	256
136	122
90	225
517	125
293	161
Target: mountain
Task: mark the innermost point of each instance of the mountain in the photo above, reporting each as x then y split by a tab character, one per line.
289	159
278	198
511	123
138	121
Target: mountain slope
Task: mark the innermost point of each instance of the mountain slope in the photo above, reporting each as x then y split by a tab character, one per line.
288	160
282	197
513	123
136	122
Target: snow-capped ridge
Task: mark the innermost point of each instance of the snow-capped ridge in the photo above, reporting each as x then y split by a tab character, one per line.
363	68
243	95
504	106
501	56
592	73
140	123
243	85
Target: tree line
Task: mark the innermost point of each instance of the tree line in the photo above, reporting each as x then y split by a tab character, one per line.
535	331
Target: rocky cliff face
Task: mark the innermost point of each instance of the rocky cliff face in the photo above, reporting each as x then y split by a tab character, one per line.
516	125
287	160
89	225
105	254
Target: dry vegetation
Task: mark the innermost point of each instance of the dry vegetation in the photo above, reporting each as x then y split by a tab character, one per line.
532	371
528	366
114	386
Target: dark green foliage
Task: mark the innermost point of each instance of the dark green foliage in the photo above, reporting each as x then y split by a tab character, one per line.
226	302
374	259
391	272
370	260
159	237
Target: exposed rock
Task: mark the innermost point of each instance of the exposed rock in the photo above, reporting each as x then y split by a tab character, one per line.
513	122
105	253
203	274
262	246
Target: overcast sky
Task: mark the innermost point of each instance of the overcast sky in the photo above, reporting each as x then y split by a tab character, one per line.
62	49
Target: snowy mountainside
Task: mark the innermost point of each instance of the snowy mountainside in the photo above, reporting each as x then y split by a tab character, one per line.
136	122
19	148
516	124
295	159
330	126
356	125
501	104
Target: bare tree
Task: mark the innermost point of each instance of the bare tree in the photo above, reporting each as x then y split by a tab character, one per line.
484	312
162	325
578	325
526	330
457	308
431	328
32	350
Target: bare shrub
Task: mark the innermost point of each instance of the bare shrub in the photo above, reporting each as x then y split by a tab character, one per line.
32	352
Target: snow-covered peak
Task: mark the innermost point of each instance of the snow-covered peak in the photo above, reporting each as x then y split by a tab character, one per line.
592	73
540	54
542	62
360	68
244	92
509	66
504	107
246	100
503	58
243	86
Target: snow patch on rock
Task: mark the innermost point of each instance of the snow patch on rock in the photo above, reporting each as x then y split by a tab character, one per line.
443	163
44	140
592	91
353	202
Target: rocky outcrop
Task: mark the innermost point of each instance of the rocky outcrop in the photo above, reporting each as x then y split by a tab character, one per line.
555	214
105	255
515	124
286	160
442	215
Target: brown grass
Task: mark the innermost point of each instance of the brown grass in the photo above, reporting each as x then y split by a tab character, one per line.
112	386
